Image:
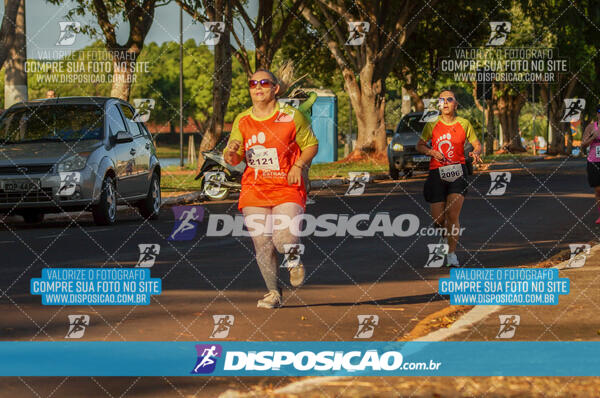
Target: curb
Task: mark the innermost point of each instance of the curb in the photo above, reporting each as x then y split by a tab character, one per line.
320	183
183	199
479	312
476	314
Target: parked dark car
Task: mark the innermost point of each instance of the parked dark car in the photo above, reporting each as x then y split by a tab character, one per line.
402	152
76	153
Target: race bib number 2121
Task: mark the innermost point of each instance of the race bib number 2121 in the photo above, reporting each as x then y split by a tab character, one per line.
263	158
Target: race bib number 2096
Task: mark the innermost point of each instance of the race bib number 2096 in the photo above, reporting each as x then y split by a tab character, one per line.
451	172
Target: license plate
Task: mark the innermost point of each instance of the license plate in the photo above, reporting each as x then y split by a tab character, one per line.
421	158
20	185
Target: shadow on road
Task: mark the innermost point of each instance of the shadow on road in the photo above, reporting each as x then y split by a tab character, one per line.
417	299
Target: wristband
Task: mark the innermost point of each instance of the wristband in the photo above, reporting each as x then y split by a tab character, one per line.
301	167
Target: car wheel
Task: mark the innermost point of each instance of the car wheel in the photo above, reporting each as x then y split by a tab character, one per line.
150	207
394	173
33	216
105	212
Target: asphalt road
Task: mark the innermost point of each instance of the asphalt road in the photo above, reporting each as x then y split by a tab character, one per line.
547	205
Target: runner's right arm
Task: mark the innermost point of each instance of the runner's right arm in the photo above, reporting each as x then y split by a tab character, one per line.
422	146
588	135
234	151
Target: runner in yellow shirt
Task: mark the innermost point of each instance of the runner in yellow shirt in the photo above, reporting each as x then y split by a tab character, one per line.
446	185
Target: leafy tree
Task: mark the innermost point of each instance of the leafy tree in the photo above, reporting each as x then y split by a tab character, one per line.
162	84
365	67
139	14
566	25
267	30
217	11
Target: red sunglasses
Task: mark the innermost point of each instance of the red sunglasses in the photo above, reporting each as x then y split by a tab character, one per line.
265	83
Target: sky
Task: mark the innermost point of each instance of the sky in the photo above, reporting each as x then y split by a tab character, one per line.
43	28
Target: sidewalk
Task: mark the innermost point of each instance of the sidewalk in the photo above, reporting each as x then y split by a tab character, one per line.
575	318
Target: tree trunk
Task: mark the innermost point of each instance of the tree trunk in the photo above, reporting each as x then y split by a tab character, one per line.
553	97
222	77
490	133
368	102
122	78
406	102
7	30
488	114
15	78
569	139
509	109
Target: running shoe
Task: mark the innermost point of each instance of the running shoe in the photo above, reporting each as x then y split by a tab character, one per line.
452	260
270	300
598	220
297	275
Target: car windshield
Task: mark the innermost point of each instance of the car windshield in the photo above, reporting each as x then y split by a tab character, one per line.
52	123
410	125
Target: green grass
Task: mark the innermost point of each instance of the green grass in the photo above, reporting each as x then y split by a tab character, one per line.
332	170
179	182
171	151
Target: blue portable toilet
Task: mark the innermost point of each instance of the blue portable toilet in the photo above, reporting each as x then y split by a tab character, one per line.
324	124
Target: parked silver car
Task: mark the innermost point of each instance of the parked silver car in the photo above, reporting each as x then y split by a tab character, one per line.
76	153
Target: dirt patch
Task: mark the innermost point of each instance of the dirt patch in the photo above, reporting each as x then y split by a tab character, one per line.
443	318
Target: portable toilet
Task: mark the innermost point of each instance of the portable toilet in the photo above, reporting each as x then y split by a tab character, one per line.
324	124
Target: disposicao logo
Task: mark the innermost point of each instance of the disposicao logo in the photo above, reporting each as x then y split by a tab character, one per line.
350	361
207	358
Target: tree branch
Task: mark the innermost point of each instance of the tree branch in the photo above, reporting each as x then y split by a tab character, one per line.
278	36
253	27
103	20
331	44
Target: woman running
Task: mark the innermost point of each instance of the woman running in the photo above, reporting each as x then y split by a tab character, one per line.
278	144
591	138
446	185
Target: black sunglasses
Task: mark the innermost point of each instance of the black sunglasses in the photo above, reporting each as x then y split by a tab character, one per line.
265	83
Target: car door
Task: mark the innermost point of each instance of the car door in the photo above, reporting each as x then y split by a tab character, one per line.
123	152
141	153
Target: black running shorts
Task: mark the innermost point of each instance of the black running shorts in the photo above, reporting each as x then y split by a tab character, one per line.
437	190
593	174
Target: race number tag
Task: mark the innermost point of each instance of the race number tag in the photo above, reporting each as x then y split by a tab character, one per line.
451	172
262	158
597	147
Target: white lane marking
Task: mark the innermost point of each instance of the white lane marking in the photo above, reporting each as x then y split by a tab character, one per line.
51	236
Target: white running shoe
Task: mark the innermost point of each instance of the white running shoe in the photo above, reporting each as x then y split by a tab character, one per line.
452	260
270	300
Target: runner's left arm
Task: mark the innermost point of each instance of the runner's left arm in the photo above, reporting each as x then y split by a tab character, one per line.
309	146
472	138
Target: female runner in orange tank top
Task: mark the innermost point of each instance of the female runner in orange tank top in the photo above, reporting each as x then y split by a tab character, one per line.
278	144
